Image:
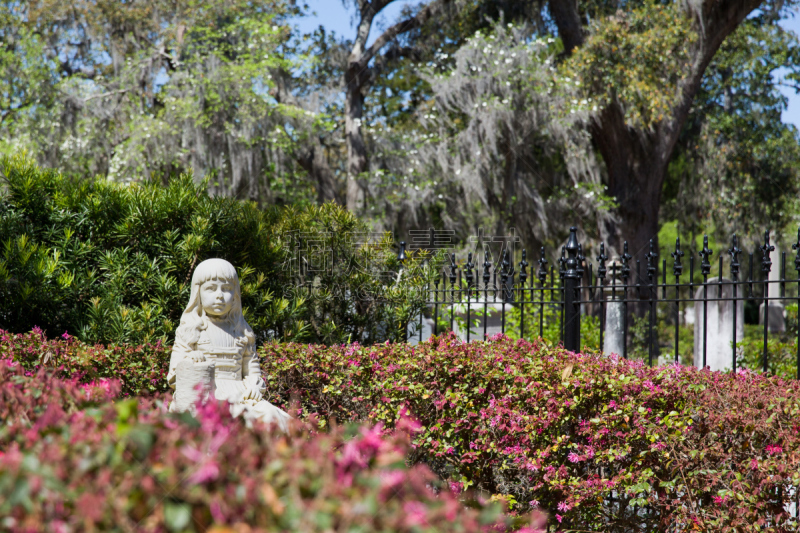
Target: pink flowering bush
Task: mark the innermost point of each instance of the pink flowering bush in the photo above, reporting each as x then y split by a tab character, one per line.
600	443
140	370
73	459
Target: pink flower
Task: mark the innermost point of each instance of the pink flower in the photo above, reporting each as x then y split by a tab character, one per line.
216	512
564	507
774	449
415	514
612	404
559	517
456	487
392	480
208	471
65	336
574	457
753	464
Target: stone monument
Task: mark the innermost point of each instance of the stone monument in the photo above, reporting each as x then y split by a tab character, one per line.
614	332
776	321
719	353
214	350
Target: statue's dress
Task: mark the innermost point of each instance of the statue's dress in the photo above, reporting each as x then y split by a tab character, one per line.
234	364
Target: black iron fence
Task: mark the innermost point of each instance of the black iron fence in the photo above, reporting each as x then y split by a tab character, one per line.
530	299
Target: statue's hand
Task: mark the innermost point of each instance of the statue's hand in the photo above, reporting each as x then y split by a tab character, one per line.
197	356
252	390
252	394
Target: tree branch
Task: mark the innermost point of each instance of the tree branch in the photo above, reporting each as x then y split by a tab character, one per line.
103	95
402	27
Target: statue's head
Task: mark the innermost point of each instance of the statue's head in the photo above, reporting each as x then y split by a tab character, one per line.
216	284
215	295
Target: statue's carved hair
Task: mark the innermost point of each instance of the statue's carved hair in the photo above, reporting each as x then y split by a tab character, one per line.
193	319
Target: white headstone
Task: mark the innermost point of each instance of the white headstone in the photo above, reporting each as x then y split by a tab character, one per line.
775	319
719	317
614	333
492	319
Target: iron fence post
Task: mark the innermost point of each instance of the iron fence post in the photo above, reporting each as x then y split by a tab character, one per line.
523	276
766	267
796	246
651	277
542	275
626	273
734	253
601	275
677	270
572	316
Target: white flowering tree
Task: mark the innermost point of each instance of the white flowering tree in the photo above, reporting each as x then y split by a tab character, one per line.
501	143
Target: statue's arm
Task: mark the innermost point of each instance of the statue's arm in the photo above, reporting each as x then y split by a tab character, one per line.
252	368
180	352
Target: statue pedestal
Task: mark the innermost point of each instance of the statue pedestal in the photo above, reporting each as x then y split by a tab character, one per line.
194	382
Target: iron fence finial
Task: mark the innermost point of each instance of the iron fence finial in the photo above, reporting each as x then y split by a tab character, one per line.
542	273
486	265
453	269
677	267
507	277
796	246
734	253
651	261
766	264
523	265
601	259
468	270
624	258
401	256
705	265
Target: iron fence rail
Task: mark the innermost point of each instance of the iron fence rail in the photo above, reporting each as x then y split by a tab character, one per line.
578	288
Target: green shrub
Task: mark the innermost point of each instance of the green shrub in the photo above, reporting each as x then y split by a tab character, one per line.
113	263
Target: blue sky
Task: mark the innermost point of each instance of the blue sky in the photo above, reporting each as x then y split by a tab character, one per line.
335	17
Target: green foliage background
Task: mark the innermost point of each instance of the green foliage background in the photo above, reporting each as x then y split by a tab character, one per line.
113	263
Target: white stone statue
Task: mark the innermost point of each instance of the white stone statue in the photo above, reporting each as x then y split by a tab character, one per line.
215	348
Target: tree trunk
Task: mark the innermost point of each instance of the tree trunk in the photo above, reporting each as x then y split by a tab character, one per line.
636	160
636	169
315	163
357	161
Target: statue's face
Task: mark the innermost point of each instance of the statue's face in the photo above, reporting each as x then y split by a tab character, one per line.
216	296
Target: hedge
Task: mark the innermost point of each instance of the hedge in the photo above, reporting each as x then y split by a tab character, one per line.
140	370
600	443
72	460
